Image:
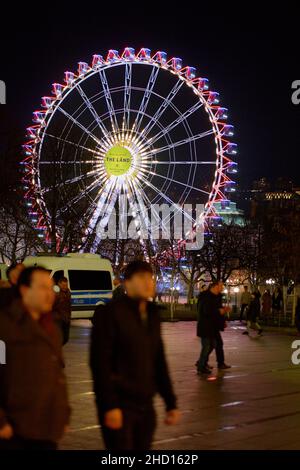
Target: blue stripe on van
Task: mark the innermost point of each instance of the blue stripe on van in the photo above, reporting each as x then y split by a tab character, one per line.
89	292
90	301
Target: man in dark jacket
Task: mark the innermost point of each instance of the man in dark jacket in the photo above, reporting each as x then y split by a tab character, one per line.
129	365
253	315
34	409
62	309
210	323
118	291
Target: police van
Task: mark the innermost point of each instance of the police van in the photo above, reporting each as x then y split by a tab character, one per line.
89	276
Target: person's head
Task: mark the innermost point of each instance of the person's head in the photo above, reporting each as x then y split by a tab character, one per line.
139	280
117	281
35	288
245	288
13	272
63	284
216	287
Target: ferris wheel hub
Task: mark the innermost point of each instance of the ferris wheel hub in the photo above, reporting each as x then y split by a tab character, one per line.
117	160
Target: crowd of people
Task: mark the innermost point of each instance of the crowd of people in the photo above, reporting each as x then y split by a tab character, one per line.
127	356
127	361
269	304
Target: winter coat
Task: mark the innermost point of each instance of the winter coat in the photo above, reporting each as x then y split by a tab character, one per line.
127	356
33	391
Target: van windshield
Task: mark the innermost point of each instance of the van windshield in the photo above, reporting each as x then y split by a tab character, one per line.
89	280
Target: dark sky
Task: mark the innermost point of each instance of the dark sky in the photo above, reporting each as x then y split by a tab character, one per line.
250	58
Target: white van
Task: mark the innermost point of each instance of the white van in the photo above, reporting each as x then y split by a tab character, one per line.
89	276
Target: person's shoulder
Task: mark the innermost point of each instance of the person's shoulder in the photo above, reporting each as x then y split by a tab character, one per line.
109	308
155	309
202	294
9	316
6	293
104	308
208	295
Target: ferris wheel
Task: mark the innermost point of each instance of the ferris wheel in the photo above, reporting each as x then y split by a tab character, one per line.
138	125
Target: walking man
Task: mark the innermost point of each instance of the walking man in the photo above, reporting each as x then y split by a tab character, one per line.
118	288
253	314
129	365
219	346
62	309
245	301
34	409
209	325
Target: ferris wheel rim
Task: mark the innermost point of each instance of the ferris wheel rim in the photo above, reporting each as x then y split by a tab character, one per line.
122	60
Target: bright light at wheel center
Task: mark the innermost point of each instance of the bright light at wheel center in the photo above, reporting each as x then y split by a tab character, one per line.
117	160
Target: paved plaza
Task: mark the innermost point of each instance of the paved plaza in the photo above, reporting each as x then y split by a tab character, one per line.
253	405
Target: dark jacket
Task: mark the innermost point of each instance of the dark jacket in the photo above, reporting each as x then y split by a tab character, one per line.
277	300
127	357
62	306
118	292
210	321
7	295
33	393
254	308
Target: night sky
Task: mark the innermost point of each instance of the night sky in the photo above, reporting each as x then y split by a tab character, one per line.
250	58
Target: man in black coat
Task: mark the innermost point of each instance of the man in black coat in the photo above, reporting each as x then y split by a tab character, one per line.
253	314
210	323
128	364
34	408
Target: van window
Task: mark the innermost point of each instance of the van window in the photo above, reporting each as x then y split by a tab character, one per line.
89	280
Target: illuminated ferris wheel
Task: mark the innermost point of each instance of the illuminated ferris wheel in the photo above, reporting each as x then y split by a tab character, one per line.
138	125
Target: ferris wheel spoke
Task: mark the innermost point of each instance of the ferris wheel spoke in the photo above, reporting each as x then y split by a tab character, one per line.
187	186
140	207
103	212
180	142
92	110
105	194
70	181
81	195
176	122
167	101
146	98
127	96
77	123
109	101
144	196
69	142
187	162
169	200
74	162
